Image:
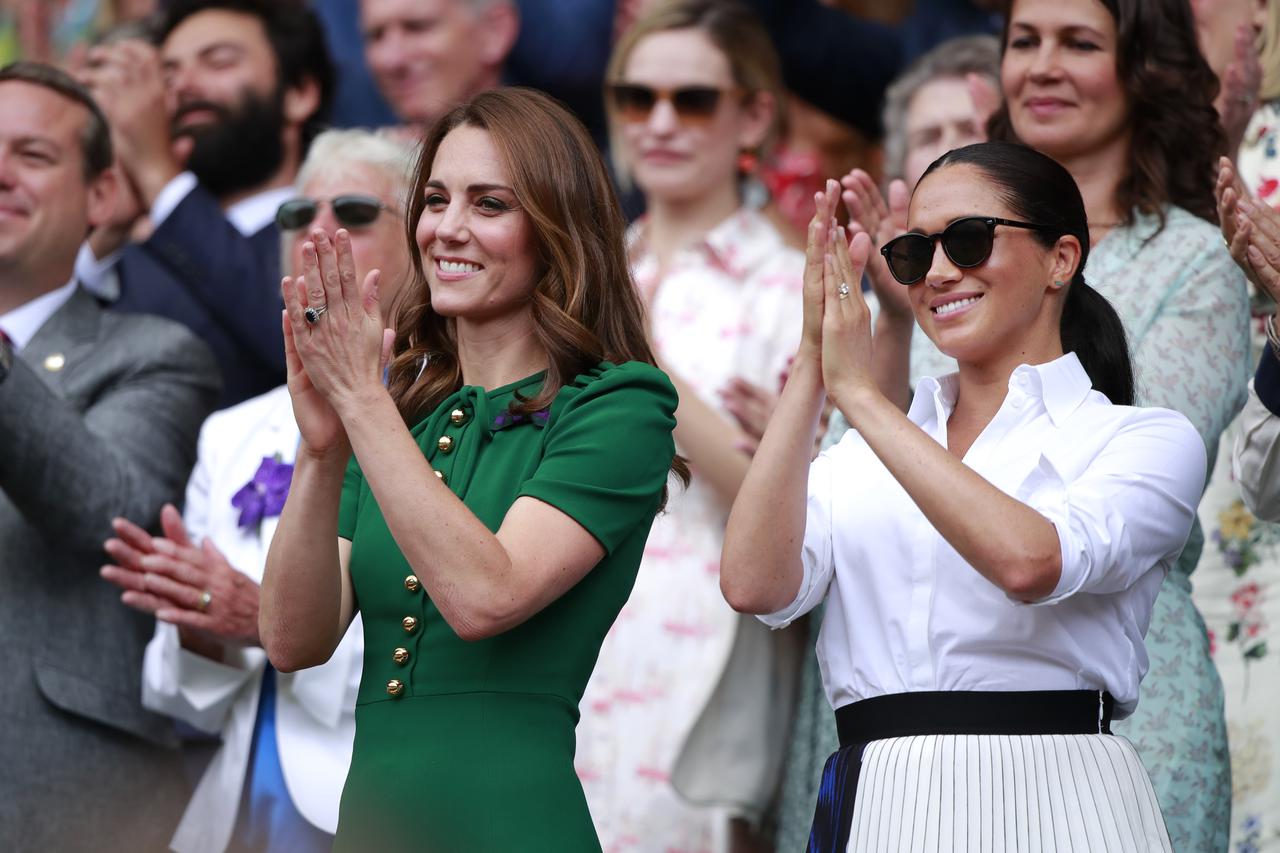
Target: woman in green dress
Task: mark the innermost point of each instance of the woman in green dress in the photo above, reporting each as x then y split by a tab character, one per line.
491	522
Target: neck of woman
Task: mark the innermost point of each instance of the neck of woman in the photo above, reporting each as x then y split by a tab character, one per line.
498	352
673	224
984	385
1098	173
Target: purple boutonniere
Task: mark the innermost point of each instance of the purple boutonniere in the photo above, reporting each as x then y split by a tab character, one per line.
263	496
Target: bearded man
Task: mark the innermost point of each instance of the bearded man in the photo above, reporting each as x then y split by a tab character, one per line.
210	127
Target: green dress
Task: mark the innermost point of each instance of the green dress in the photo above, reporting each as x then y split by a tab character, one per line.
468	746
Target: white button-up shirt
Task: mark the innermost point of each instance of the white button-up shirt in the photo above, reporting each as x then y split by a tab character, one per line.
907	613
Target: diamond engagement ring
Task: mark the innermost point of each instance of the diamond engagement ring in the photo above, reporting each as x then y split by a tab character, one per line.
206	598
314	314
843	290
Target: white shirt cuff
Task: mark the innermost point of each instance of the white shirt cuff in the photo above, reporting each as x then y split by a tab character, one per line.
168	199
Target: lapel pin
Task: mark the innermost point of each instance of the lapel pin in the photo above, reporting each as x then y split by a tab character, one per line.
55	362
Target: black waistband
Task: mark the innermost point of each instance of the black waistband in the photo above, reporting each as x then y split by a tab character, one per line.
959	712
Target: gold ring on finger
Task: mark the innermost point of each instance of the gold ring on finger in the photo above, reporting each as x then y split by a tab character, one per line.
843	290
206	598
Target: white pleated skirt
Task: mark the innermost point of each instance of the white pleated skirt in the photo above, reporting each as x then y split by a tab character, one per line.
934	793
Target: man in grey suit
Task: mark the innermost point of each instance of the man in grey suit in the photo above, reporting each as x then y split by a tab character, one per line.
99	415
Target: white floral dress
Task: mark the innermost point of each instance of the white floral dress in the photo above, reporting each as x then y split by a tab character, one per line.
730	306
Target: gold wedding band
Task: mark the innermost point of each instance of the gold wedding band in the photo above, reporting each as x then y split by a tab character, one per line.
206	598
843	290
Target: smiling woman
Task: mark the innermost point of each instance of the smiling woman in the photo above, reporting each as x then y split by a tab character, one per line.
989	559
490	525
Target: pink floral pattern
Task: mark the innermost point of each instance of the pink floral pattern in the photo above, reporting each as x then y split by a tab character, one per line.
728	307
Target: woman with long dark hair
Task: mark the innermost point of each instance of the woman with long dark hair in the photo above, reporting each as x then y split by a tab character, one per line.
989	558
491	522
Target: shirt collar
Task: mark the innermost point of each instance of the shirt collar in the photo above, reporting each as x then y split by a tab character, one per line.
1062	385
22	323
251	215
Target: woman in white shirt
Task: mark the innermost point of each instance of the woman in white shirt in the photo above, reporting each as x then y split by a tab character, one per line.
991	557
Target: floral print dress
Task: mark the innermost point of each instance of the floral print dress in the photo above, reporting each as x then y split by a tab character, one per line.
730	306
1185	309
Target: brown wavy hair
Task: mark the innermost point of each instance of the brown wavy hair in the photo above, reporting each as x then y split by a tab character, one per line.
585	306
1176	135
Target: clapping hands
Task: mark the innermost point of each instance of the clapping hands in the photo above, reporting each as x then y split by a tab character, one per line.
1251	230
869	214
336	347
837	320
188	585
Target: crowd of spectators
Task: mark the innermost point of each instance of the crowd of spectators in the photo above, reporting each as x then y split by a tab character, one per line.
165	163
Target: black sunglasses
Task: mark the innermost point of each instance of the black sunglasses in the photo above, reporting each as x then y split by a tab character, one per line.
352	210
966	241
692	104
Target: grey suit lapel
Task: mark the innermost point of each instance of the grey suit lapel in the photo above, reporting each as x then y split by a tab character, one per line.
67	338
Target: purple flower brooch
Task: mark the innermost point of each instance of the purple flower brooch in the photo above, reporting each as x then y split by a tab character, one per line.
508	418
264	495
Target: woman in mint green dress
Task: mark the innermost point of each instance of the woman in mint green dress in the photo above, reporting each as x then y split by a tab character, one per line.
491	522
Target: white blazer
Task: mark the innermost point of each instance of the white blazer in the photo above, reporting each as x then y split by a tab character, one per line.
315	708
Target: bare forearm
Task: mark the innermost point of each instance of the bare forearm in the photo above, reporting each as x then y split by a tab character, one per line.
760	568
303	613
891	358
1006	541
460	562
709	441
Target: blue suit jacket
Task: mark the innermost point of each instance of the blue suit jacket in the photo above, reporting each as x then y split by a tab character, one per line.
199	270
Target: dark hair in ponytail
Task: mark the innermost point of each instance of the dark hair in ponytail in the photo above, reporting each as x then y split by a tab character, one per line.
1037	189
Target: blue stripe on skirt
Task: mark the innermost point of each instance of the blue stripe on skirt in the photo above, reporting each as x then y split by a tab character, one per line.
833	817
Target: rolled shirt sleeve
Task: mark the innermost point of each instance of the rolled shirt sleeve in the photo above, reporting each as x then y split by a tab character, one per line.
1130	509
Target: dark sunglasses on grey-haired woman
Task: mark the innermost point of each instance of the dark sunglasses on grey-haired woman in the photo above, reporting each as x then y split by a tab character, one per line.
967	242
352	210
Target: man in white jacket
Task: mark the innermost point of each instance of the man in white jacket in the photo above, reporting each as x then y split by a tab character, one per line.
286	738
